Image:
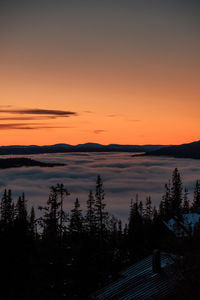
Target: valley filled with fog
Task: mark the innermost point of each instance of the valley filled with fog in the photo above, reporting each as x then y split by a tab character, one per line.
123	177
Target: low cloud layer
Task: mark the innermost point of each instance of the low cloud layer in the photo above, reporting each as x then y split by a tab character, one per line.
123	176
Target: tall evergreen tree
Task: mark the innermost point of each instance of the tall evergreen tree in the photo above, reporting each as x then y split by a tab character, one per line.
155	213
76	219
148	208
161	208
176	193
90	218
135	230
100	213
165	208
119	229
32	222
7	208
125	231
186	204
141	208
50	220
113	224
21	210
61	191
196	201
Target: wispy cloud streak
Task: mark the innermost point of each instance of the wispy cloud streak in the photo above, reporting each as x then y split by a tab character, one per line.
98	131
27	118
28	126
37	111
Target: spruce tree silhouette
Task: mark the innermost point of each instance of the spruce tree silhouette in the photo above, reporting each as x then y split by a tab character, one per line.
76	219
176	193
186	203
61	191
196	201
90	218
101	214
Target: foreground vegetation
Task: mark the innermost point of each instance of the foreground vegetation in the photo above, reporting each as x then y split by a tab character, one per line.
69	255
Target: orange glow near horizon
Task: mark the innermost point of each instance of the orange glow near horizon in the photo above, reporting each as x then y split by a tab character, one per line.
124	86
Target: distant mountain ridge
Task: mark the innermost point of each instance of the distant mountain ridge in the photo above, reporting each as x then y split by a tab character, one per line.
87	147
189	150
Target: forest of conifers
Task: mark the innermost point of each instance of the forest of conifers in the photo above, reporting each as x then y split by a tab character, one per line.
68	255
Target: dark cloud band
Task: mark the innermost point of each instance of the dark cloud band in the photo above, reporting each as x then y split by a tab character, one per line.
27	118
37	111
28	126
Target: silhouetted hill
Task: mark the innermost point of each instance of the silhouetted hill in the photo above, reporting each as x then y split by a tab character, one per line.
6	163
190	150
88	147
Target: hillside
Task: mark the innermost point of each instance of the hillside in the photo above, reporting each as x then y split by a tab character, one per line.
63	148
6	163
190	150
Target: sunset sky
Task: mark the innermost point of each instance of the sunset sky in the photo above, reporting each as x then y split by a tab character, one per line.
104	71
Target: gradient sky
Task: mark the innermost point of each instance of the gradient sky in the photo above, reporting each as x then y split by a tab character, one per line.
104	71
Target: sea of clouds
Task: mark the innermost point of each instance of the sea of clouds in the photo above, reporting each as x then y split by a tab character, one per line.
123	177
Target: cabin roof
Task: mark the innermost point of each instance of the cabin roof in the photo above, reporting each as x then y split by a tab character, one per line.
184	226
139	282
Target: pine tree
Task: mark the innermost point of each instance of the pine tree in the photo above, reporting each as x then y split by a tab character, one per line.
140	208
135	230
119	228
61	191
21	211
100	213
186	204
76	218
125	232
196	201
112	225
32	222
148	208
176	193
90	218
133	211
155	213
165	205
161	209
50	220
7	208
3	207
